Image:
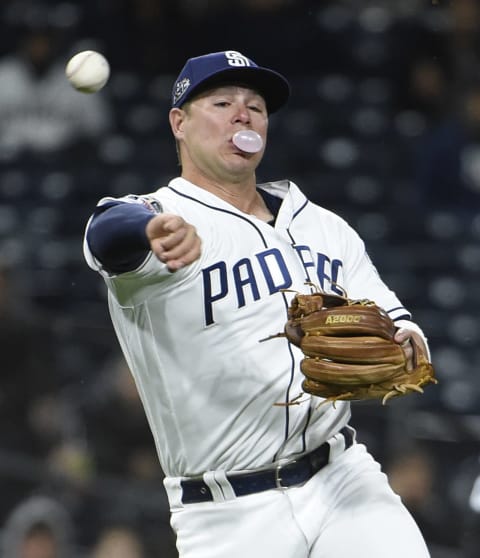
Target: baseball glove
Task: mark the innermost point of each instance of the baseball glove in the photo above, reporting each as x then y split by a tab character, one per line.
349	350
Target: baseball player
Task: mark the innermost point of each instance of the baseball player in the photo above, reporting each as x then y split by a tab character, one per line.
198	273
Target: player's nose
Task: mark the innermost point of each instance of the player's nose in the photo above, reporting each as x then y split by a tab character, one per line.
241	114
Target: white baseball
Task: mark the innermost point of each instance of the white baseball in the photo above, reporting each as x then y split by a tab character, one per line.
88	71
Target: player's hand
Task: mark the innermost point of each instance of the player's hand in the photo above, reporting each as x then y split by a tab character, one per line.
173	241
402	337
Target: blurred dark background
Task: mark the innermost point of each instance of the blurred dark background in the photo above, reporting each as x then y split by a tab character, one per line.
383	127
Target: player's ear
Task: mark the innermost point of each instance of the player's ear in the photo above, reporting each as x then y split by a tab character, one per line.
177	118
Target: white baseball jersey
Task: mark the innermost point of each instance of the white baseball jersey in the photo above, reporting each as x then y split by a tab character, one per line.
193	338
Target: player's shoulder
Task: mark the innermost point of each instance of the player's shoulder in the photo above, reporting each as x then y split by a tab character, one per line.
152	200
333	221
310	204
330	214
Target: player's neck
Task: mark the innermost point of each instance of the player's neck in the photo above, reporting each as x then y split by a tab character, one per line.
243	194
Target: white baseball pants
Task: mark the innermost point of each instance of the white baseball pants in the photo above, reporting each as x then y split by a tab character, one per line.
346	509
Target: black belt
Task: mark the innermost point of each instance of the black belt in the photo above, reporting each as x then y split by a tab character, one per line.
290	474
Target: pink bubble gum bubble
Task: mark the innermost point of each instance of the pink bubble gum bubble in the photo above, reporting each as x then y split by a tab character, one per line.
248	141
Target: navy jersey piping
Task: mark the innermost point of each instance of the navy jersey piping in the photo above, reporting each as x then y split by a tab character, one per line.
222	211
307	423
406	316
301	208
292	239
287	391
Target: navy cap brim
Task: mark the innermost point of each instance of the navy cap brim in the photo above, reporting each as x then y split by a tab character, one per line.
273	87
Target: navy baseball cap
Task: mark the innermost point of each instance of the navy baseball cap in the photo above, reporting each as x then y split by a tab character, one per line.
202	72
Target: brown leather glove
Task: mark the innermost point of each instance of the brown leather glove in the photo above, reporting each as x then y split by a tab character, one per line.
349	350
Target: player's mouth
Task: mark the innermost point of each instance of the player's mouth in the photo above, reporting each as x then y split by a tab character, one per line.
248	141
237	151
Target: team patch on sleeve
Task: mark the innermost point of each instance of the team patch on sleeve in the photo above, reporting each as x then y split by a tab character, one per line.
149	202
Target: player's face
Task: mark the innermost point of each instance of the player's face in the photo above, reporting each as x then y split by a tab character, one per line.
205	128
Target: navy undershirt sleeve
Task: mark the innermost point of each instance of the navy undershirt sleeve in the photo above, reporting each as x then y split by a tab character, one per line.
116	236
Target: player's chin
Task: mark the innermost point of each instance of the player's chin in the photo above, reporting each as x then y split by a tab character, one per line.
237	164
